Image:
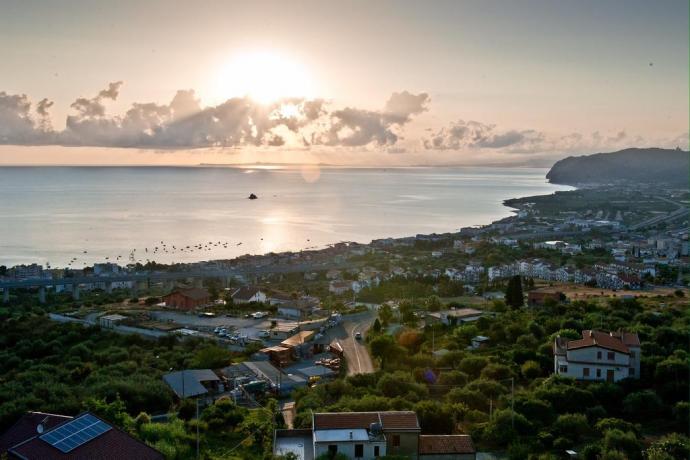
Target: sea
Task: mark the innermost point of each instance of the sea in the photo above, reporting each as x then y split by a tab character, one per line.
77	216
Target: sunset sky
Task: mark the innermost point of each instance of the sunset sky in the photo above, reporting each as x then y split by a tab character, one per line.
456	82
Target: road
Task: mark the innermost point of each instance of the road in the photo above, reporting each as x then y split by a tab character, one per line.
356	353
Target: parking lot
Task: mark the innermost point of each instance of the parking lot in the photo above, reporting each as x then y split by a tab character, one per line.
249	327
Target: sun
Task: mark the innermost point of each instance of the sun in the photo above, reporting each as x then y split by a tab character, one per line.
264	76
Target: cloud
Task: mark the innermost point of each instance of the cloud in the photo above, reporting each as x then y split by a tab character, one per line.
184	123
17	125
462	135
352	127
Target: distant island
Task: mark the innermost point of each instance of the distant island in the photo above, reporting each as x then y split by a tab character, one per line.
651	165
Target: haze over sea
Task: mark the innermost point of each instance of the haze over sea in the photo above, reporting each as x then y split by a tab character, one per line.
54	214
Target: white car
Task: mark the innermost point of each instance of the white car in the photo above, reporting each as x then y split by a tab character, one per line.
358	335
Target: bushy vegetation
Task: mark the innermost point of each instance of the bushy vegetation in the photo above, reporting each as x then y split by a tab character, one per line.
470	390
69	368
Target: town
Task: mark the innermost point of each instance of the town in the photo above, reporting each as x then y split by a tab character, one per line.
561	329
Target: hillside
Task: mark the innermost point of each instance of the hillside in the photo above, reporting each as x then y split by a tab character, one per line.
651	165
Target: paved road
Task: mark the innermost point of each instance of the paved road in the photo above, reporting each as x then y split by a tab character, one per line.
356	353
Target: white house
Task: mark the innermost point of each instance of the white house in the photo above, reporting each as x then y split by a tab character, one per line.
247	294
369	436
598	355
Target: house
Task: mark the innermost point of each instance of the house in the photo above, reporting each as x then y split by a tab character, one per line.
42	436
339	287
539	298
187	299
110	321
446	447
598	355
478	342
247	294
454	317
275	297
300	308
193	382
370	435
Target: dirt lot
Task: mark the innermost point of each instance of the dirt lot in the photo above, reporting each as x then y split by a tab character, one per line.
579	292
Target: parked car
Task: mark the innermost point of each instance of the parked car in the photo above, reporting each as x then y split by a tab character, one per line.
264	334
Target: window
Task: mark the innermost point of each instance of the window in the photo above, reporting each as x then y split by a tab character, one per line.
395	440
632	354
377	451
631	371
563	369
585	372
359	450
598	373
598	355
332	449
611	356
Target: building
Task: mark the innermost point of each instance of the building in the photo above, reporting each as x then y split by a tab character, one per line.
539	298
598	355
42	436
247	294
479	341
299	309
110	321
276	380
339	287
446	447
193	382
187	299
370	435
454	317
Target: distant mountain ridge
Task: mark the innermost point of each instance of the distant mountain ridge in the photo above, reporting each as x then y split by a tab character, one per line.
650	165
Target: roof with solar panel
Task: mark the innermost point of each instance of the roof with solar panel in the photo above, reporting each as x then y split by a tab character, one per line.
85	436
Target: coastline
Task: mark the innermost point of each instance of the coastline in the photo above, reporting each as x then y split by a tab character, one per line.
442	206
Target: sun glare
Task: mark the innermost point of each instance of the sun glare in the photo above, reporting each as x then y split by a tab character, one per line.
263	76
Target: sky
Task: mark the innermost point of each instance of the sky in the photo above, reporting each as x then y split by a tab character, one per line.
356	82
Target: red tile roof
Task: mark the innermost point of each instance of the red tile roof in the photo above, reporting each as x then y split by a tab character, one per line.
390	420
112	445
446	444
610	341
192	293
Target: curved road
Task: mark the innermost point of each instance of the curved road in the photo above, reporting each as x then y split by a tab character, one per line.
355	351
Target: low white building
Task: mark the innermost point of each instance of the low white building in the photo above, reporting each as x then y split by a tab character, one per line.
598	355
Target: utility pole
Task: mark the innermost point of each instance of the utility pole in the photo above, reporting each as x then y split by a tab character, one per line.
197	428
512	402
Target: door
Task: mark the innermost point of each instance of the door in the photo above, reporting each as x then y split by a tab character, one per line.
609	375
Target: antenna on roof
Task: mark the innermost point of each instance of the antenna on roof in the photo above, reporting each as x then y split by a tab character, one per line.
40	428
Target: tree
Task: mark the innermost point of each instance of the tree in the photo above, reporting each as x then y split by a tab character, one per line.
530	370
385	314
643	404
434	417
211	357
377	326
433	303
514	295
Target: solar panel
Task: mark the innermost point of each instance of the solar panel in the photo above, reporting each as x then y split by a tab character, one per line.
76	432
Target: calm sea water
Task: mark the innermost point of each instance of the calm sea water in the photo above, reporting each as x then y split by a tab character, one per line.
56	214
